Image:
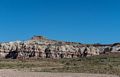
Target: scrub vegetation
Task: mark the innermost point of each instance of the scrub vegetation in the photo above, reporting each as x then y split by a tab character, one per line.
102	64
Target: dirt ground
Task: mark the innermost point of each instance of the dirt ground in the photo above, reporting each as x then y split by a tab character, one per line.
16	73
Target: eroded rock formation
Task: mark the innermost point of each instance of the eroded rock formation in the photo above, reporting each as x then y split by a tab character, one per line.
40	47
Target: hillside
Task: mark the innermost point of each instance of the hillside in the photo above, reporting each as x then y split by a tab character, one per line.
41	47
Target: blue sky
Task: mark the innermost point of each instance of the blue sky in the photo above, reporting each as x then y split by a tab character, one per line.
85	21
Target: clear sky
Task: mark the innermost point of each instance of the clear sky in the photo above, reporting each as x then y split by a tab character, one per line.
85	21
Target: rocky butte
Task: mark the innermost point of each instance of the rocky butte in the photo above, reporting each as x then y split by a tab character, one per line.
41	47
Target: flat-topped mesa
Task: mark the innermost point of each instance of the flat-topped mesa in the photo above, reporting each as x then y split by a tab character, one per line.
38	38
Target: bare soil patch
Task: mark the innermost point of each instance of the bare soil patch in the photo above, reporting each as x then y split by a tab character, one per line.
16	73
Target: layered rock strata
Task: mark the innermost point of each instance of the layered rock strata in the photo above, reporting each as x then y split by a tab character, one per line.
40	47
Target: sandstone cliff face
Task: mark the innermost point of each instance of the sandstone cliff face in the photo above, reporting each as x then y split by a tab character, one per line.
40	47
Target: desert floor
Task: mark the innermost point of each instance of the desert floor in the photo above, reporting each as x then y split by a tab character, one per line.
16	73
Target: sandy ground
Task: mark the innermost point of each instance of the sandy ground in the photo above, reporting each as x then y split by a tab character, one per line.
16	73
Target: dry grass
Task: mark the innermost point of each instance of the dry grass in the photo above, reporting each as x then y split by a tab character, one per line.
103	64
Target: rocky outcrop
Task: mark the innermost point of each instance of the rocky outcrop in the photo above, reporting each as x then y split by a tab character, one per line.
40	47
